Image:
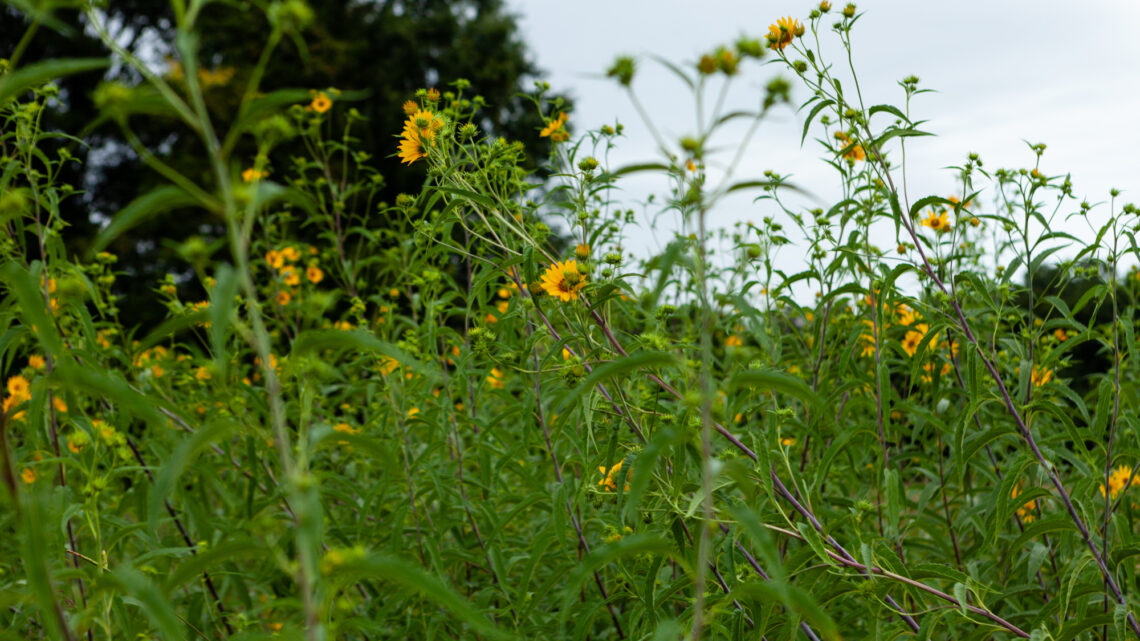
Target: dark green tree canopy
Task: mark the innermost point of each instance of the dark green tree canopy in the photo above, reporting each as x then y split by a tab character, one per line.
377	52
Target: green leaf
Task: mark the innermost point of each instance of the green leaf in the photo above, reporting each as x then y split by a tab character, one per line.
631	363
154	202
766	379
36	74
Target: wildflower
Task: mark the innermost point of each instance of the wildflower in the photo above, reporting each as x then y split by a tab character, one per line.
868	345
733	341
781	34
563	280
854	153
504	292
556	128
1118	481
566	354
59	404
388	365
788	442
1040	375
411	147
1060	335
202	374
314	274
410	107
28	476
906	315
290	276
1026	511
691	166
412	413
495	379
35	361
939	222
252	175
503	306
433	94
345	428
913	338
608	481
394	293
275	259
320	103
582	251
291	254
824	6
18	386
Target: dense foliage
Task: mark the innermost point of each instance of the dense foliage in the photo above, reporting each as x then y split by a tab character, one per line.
476	432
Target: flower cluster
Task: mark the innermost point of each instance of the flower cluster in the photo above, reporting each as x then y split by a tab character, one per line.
780	35
283	262
1119	479
19	391
610	476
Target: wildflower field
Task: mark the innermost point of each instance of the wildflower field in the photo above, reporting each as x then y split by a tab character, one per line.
470	411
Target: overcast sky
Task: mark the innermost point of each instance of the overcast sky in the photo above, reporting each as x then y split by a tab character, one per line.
1063	73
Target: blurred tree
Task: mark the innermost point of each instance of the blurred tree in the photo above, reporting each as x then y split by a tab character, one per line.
385	49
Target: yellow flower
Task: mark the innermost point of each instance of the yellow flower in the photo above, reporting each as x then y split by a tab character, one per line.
28	475
35	361
388	365
582	251
495	379
433	94
939	222
345	428
556	128
411	147
19	387
1118	481
275	259
251	175
856	152
608	481
787	442
914	337
733	341
314	274
1040	375
906	315
412	413
1061	335
1026	512
781	34
563	280
283	297
58	403
410	107
291	254
202	374
824	6
320	103
566	354
290	276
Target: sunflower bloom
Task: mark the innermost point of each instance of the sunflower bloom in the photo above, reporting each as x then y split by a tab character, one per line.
563	280
939	222
1040	375
321	103
914	337
411	147
410	107
495	378
781	34
314	274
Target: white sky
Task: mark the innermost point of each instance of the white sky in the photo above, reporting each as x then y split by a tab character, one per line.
1063	73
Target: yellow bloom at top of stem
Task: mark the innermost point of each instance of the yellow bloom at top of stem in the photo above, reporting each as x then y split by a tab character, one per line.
938	221
914	337
1040	375
733	341
18	386
411	147
321	103
563	280
556	128
495	378
781	34
410	107
608	481
251	174
314	274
